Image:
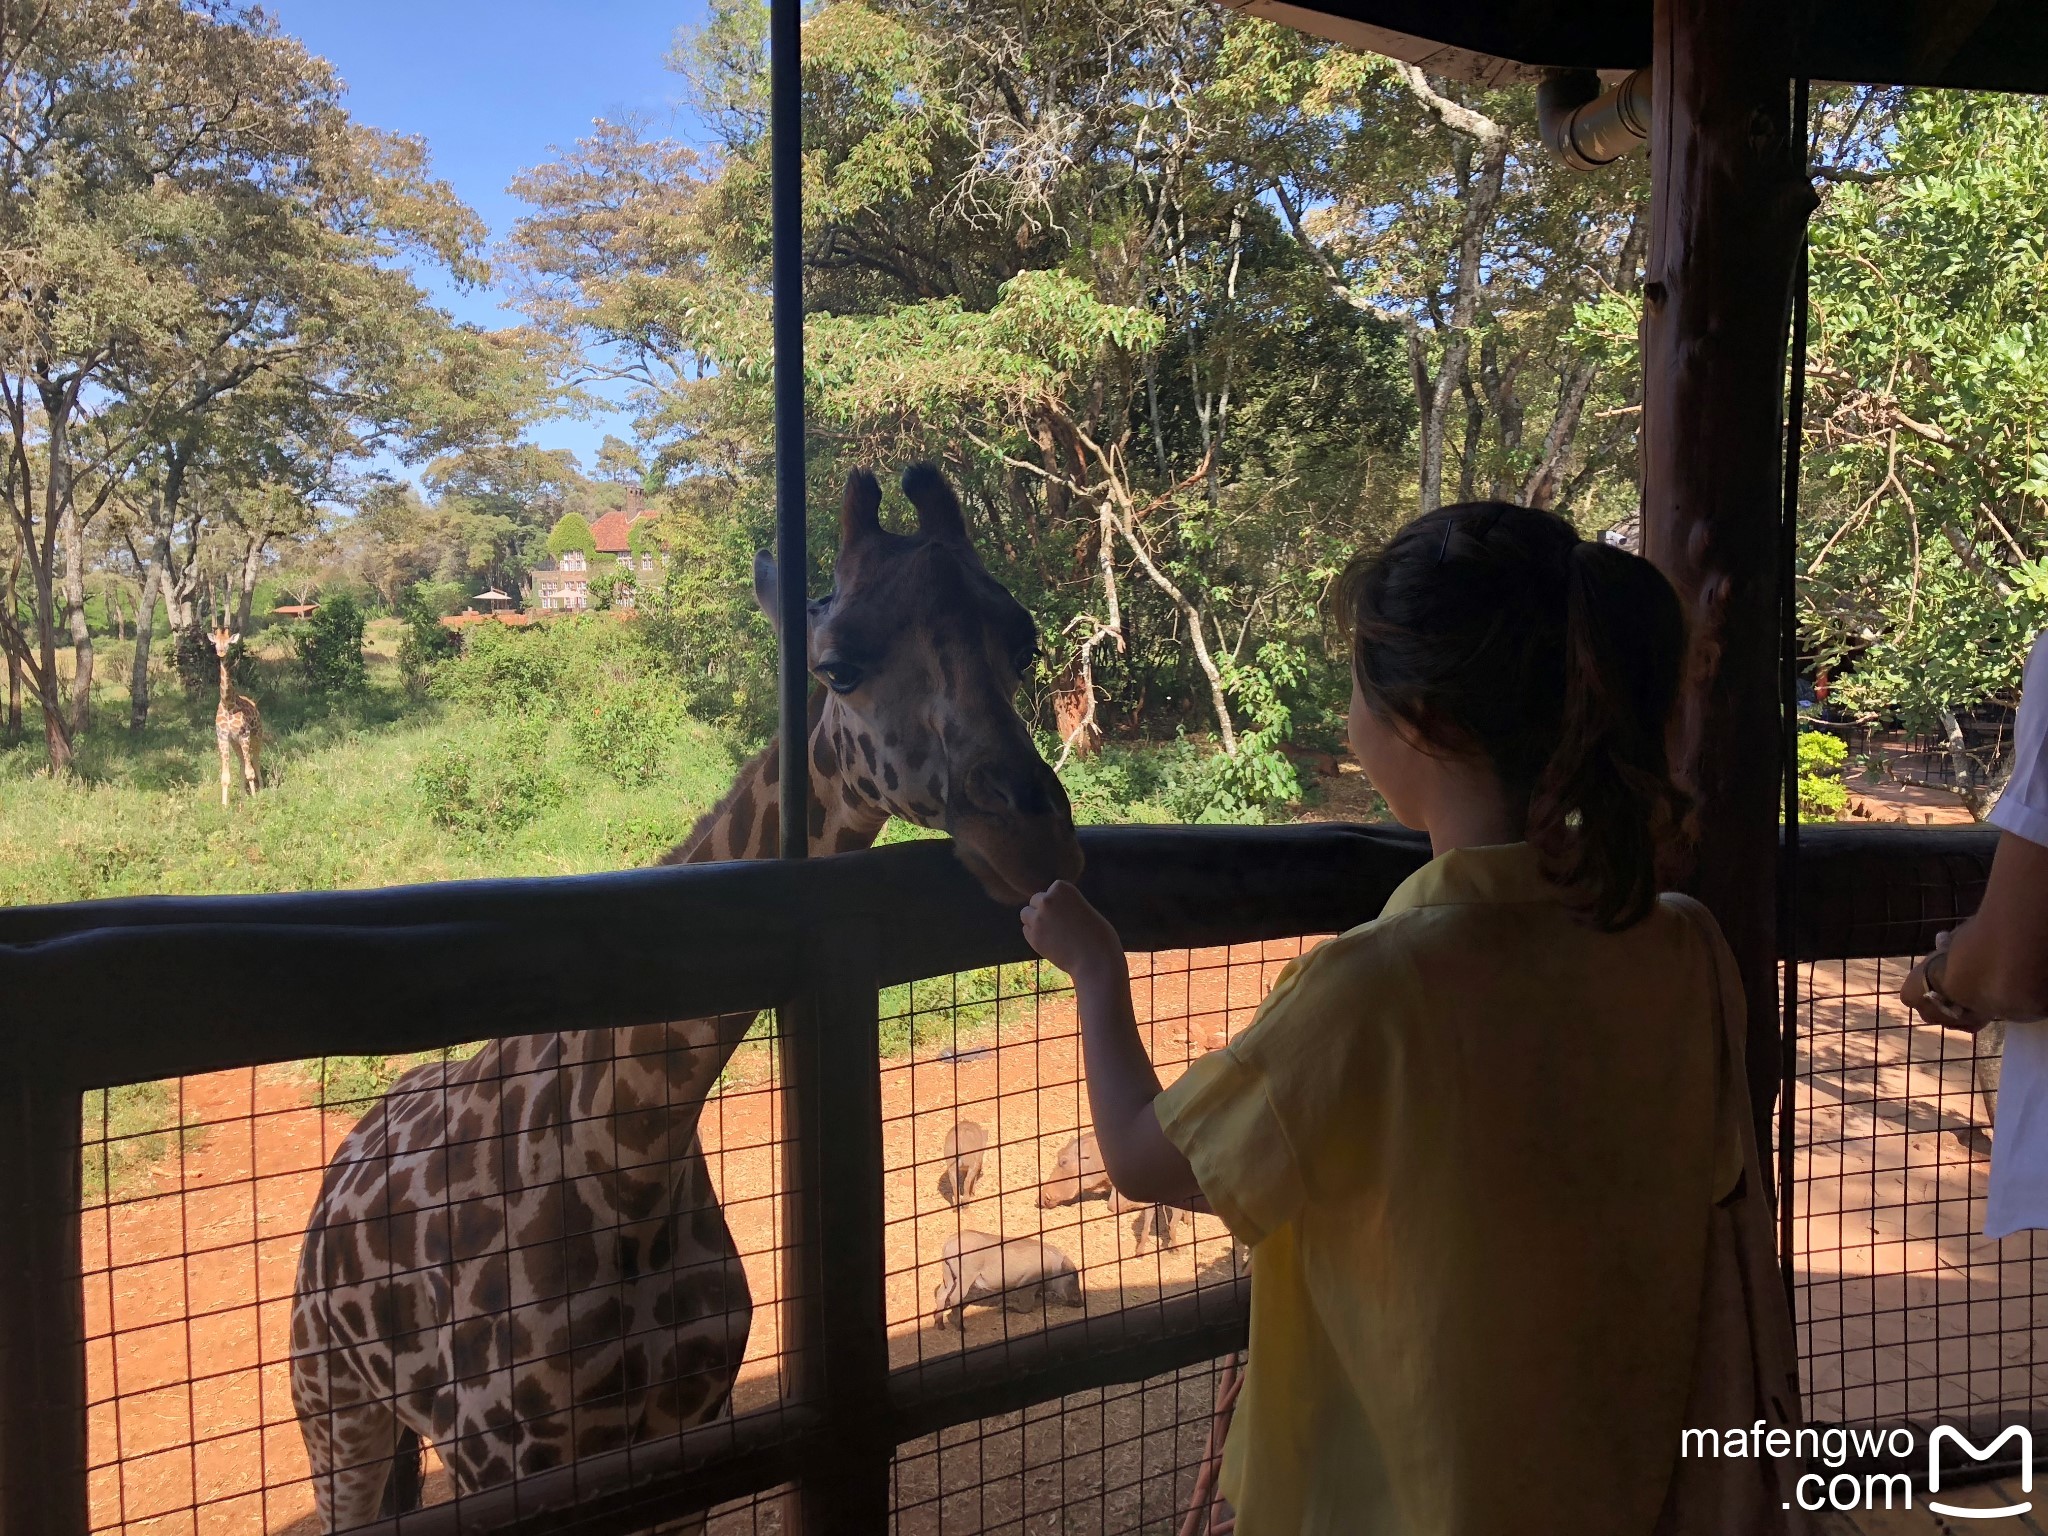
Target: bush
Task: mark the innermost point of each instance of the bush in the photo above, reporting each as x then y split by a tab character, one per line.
1822	794
504	671
496	783
198	664
426	643
625	728
329	646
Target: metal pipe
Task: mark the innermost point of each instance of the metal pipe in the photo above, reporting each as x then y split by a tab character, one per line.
792	557
1587	128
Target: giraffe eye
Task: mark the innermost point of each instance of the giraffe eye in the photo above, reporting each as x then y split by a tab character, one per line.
1025	658
839	676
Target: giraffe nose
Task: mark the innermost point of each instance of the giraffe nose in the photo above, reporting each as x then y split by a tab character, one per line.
1028	790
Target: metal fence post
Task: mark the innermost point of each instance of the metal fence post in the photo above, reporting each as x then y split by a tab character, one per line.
834	1318
42	1312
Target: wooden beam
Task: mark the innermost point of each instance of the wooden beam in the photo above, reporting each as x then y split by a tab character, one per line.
1729	203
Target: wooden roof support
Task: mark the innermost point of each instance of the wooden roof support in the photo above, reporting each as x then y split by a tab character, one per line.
1729	203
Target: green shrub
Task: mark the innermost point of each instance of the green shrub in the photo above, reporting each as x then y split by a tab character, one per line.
426	643
1822	794
503	671
494	783
625	728
198	664
329	646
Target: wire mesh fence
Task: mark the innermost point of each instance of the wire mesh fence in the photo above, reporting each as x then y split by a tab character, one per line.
310	1285
322	1291
1109	1460
1906	1312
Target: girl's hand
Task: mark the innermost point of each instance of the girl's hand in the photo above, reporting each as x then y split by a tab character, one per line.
1062	926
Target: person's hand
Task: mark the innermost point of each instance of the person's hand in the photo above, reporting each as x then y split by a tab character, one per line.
1061	925
1924	996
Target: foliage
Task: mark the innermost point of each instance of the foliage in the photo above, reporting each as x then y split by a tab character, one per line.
1926	476
571	534
427	642
328	644
1165	337
1822	794
624	728
495	781
607	585
198	663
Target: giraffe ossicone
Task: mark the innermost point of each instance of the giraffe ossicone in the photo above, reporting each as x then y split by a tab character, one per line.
520	1257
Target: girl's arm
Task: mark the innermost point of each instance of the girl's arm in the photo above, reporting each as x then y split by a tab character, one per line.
1142	1164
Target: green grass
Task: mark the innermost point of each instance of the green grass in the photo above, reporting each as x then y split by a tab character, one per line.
339	806
127	1131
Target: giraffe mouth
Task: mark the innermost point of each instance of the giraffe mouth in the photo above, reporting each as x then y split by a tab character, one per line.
1013	865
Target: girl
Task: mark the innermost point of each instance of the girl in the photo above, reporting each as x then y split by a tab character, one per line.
1474	1146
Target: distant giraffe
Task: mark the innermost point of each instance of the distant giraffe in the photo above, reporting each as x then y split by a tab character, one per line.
237	723
520	1257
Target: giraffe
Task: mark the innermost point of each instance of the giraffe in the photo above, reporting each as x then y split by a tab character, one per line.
237	723
520	1257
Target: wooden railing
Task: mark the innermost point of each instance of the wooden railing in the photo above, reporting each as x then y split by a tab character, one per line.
105	993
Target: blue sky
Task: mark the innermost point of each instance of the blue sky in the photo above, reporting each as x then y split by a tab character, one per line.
491	85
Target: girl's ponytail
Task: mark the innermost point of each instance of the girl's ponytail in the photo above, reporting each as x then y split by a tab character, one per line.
1495	628
1605	806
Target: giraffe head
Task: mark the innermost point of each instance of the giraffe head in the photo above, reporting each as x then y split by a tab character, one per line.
919	652
224	640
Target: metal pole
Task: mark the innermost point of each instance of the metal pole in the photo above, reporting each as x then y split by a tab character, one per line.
792	558
1788	681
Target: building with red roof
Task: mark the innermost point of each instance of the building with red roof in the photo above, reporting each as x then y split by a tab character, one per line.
563	586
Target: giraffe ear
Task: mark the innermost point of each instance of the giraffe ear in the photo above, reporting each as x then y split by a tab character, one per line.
938	509
860	514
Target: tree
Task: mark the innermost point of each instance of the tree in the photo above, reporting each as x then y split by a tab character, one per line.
1133	303
1925	542
212	283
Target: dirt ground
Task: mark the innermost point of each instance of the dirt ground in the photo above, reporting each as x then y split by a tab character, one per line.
188	1279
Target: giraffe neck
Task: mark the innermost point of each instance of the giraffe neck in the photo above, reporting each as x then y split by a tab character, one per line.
227	690
644	1087
747	823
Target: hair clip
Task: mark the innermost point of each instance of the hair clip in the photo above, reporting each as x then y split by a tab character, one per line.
1444	548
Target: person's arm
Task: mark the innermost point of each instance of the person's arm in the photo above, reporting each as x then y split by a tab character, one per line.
1143	1165
1995	966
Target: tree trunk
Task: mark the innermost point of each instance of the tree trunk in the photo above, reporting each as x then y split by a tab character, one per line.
1729	203
252	562
1961	764
13	729
145	633
81	633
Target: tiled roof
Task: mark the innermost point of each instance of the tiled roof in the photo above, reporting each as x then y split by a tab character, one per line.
610	532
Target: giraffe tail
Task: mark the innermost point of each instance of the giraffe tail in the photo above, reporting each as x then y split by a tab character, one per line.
402	1492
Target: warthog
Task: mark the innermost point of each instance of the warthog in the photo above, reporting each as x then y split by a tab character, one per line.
960	1163
1078	1175
979	1266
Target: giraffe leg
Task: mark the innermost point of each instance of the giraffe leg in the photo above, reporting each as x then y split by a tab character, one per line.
249	759
354	1442
226	771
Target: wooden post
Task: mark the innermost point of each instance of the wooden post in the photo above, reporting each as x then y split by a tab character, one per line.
42	1313
1729	202
834	1322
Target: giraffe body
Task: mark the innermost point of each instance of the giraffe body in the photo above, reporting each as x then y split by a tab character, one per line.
237	724
520	1257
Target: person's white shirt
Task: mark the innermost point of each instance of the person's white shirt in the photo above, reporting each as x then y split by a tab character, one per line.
2019	1139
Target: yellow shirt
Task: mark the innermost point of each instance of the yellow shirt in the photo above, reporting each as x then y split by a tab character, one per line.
1472	1145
